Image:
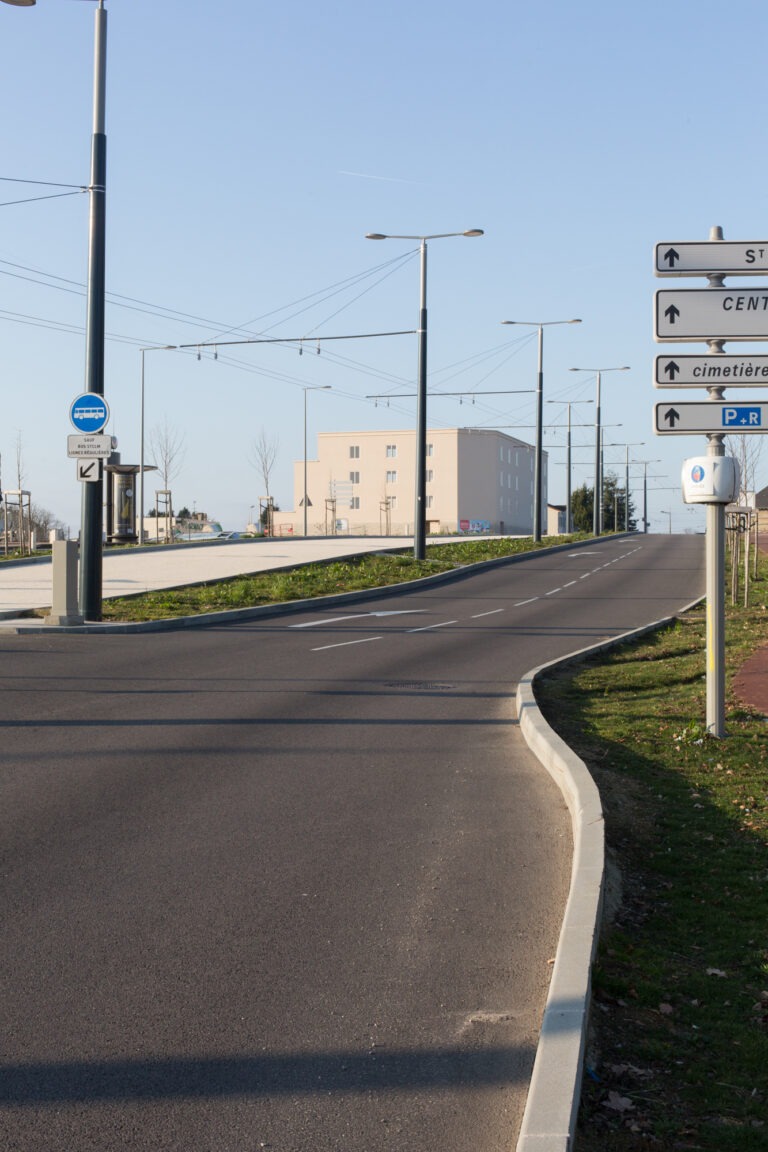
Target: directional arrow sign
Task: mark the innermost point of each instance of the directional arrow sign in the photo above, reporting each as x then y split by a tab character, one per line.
717	257
89	470
709	416
710	371
687	314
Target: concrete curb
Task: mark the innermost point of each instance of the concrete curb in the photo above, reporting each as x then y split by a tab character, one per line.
551	1110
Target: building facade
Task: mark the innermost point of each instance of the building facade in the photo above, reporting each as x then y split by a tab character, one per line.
363	483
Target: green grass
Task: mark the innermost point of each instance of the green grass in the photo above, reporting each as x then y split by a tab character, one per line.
678	1055
311	580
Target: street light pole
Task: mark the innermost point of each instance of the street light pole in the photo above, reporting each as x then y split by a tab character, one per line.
420	512
91	546
597	503
537	470
316	388
150	348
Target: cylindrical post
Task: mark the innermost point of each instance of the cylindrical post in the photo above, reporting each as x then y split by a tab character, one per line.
141	457
568	513
92	495
420	514
597	502
305	462
715	587
537	458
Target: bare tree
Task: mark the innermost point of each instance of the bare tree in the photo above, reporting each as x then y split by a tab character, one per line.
168	449
262	456
747	450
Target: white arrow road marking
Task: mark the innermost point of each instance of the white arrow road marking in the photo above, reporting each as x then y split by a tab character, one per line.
427	627
346	643
357	616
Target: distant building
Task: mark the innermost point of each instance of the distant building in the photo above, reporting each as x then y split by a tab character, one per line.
363	483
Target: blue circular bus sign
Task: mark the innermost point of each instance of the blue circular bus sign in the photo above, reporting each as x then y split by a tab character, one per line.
89	412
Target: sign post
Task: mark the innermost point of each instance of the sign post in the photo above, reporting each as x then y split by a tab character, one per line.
713	314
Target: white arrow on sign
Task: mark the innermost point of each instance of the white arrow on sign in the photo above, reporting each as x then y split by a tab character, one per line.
710	371
720	257
687	314
681	419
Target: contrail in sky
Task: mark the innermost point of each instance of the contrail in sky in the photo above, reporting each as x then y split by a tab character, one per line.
368	176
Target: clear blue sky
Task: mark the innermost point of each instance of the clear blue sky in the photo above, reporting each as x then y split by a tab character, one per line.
251	147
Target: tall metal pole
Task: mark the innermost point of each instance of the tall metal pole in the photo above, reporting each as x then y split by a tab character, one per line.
626	490
92	496
420	512
568	512
537	459
305	462
597	503
141	457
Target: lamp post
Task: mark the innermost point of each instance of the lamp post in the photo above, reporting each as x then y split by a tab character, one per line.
597	508
537	471
635	444
92	494
314	388
568	509
667	512
420	513
645	464
142	469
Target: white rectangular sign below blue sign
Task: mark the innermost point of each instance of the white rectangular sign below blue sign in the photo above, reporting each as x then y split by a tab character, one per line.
681	419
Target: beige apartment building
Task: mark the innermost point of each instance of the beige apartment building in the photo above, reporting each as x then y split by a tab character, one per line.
363	483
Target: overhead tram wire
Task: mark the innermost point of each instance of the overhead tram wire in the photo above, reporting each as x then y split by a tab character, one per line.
130	303
74	190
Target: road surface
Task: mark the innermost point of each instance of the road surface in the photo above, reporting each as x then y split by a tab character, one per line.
294	883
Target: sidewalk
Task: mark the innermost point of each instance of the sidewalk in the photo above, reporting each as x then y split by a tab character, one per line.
25	585
751	683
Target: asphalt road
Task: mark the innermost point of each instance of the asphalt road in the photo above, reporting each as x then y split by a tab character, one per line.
294	883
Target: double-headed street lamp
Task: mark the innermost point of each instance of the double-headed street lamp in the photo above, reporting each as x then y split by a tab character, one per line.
308	388
568	485
92	518
420	513
597	504
537	476
142	468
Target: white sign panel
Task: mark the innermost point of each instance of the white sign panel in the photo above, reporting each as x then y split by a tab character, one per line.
687	314
716	257
681	419
88	470
93	445
710	371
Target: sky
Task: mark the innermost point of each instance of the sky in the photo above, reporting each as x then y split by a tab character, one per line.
251	148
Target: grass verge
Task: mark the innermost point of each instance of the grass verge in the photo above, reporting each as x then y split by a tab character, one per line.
374	570
678	1056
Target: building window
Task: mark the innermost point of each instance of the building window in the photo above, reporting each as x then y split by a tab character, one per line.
354	451
429	449
391	451
501	479
354	502
354	477
391	477
430	475
430	500
393	501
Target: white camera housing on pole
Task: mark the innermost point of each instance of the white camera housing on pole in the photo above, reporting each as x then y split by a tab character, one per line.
711	480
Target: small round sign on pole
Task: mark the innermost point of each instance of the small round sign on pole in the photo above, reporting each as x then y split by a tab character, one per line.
89	412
